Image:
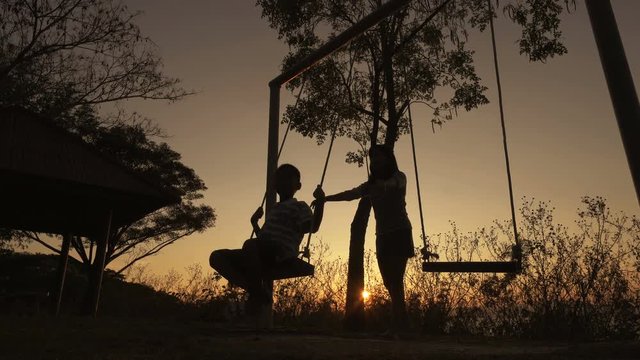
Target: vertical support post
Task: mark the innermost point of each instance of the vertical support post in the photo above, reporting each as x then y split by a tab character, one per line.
272	165
272	146
620	82
62	271
101	253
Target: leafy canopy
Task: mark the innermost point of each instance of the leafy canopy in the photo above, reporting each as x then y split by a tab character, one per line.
428	55
64	58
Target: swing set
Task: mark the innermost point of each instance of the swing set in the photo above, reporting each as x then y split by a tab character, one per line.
625	105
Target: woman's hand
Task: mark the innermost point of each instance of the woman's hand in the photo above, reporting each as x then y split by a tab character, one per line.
318	193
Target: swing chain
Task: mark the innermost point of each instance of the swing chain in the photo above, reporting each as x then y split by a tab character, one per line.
516	251
428	255
306	253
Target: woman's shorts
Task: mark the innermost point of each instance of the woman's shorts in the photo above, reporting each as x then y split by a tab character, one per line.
395	243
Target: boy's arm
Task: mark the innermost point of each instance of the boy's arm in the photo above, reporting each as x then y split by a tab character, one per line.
312	221
318	211
254	220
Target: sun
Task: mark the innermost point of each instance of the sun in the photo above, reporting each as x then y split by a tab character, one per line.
365	295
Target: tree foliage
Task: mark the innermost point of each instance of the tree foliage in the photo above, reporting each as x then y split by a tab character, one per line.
159	164
540	21
57	54
411	56
64	58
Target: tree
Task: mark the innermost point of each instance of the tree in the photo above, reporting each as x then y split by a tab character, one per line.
58	54
63	59
406	58
156	162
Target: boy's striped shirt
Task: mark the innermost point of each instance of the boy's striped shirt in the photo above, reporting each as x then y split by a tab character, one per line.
284	225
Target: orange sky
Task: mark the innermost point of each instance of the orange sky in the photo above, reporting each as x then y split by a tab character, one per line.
564	142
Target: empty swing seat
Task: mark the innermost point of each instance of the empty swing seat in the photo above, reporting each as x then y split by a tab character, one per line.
472	266
230	264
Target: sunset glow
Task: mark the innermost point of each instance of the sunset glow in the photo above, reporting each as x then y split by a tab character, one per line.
563	139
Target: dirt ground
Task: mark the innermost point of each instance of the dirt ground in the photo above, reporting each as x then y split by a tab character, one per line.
78	338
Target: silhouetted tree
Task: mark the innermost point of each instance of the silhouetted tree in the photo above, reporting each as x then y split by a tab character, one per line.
158	163
406	57
64	58
55	55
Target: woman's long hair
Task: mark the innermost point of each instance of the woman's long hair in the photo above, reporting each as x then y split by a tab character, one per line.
392	163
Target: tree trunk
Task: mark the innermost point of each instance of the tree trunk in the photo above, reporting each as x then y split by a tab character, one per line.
354	319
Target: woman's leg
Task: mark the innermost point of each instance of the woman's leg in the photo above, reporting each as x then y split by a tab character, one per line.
392	269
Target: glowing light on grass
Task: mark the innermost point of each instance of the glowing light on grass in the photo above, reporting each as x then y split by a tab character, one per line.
365	295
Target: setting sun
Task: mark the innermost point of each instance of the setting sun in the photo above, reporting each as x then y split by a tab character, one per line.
365	295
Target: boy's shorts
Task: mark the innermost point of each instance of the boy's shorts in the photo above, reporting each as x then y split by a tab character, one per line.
268	250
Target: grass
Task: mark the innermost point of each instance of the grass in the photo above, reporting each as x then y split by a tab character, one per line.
141	338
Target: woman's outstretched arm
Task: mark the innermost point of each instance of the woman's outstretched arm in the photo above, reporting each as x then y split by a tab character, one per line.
353	194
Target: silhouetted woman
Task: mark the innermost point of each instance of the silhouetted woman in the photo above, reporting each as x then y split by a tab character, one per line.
386	189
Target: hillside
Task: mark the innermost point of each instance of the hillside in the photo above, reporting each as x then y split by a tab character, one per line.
27	282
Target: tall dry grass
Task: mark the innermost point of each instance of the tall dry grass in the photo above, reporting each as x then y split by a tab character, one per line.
582	282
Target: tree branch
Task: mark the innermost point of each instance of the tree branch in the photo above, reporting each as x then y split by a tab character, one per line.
415	31
41	242
372	114
79	248
150	252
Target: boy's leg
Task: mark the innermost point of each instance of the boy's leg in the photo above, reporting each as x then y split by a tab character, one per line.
260	254
256	257
230	264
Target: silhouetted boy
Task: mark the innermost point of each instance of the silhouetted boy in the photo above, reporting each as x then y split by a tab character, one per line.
277	240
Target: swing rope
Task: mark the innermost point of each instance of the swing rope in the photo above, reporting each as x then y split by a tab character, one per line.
517	252
425	245
306	253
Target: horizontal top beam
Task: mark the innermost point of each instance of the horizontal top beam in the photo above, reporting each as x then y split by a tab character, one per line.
339	41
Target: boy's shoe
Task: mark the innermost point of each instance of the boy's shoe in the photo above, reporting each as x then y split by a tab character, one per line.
264	318
259	311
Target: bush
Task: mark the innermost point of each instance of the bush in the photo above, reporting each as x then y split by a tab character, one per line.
582	284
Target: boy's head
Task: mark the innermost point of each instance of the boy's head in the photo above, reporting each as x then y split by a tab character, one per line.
287	180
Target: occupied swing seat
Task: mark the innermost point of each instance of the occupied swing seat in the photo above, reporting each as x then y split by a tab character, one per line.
228	263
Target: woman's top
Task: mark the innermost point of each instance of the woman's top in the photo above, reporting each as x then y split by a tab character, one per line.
388	201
